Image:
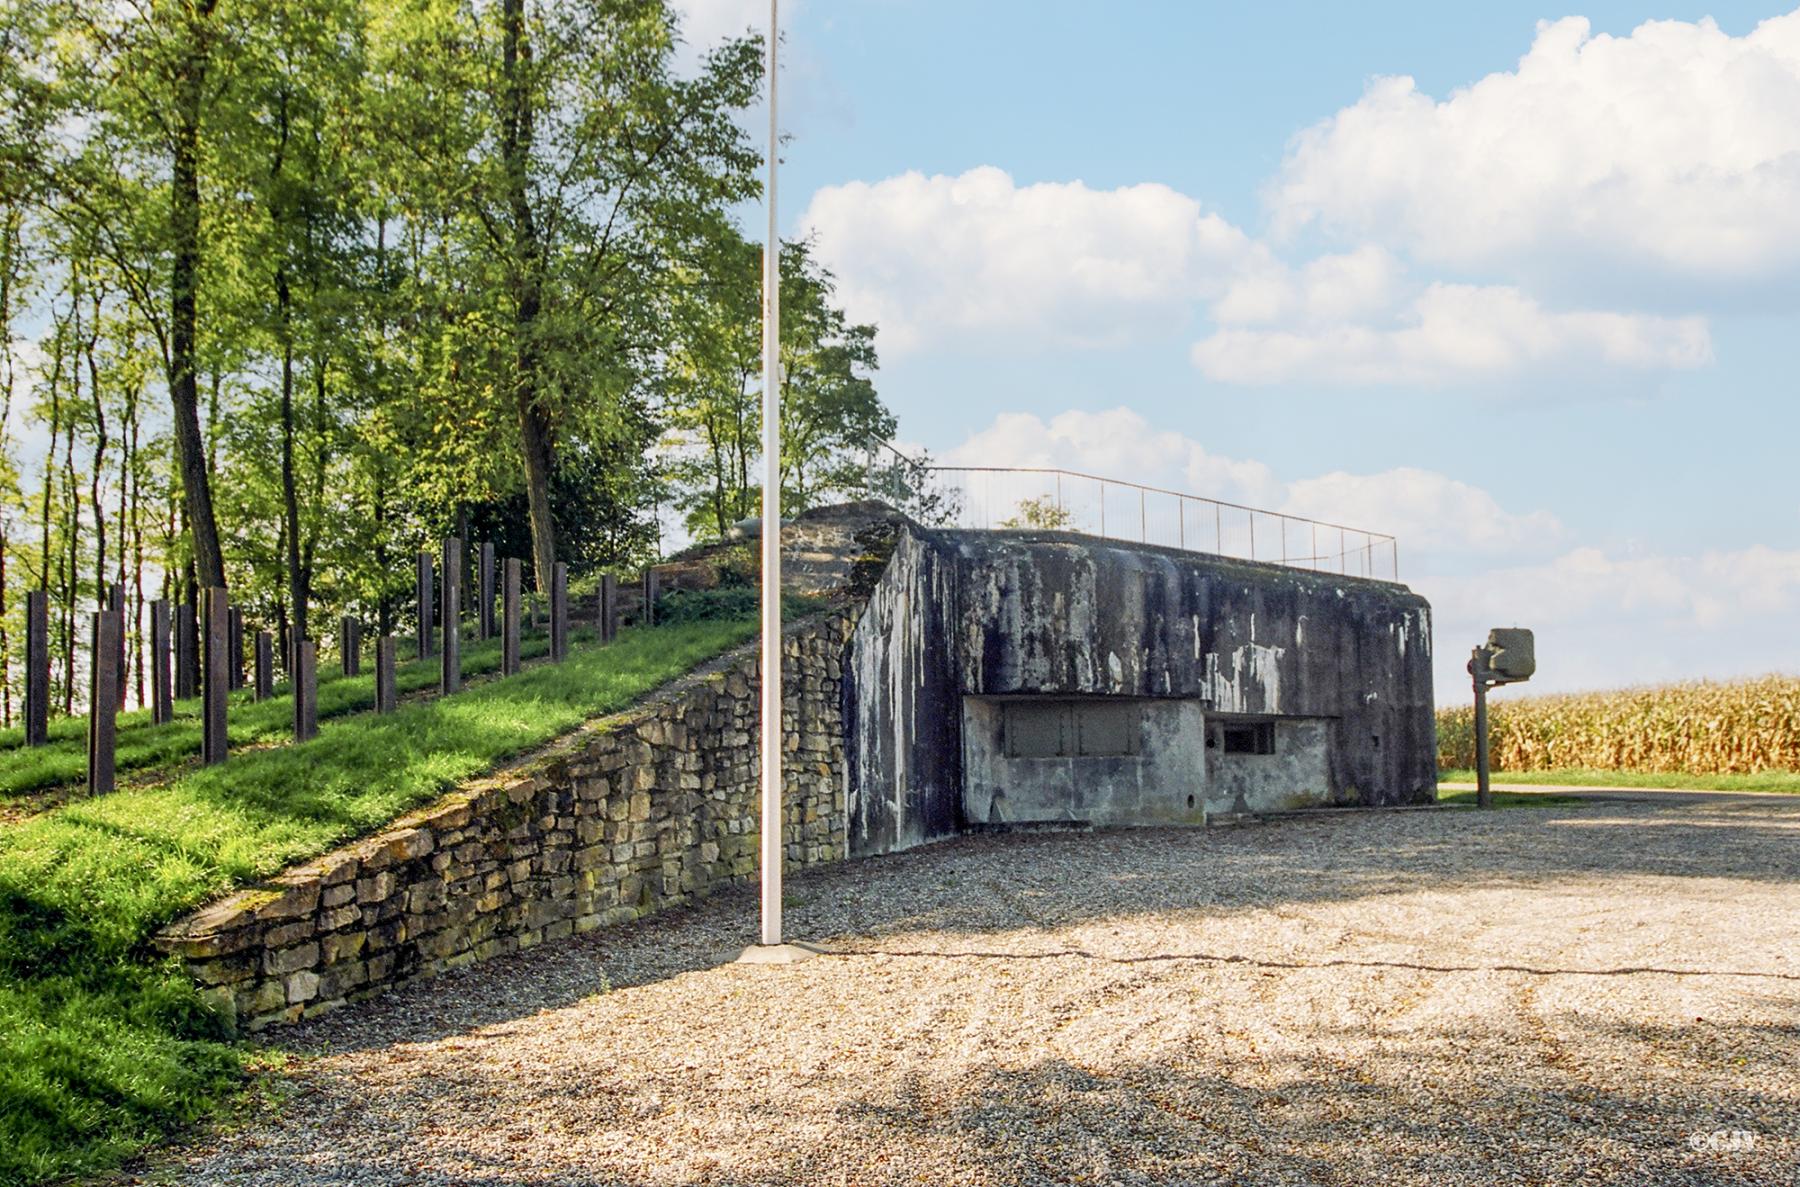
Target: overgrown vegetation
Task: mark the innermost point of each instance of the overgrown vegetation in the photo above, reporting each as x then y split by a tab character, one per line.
725	602
1700	728
104	1047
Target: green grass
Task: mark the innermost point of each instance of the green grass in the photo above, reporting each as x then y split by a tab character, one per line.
1510	799
1787	781
105	1046
144	748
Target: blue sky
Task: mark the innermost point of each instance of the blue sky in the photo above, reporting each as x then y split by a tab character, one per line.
1518	284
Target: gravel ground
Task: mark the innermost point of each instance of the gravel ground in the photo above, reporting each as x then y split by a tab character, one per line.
1601	994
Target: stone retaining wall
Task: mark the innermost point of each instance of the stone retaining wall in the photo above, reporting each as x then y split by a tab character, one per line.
629	815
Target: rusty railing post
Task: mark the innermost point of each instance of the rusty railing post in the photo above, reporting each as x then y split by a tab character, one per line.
217	679
509	618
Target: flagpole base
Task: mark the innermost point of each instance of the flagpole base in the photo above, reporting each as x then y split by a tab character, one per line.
791	953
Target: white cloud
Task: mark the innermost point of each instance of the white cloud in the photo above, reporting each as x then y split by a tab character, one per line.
705	23
1606	621
1602	620
1447	334
1430	512
1117	443
1673	149
1328	289
958	258
979	259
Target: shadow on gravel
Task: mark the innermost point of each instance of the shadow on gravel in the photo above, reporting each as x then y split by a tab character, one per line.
1012	884
1453	1108
1414	1117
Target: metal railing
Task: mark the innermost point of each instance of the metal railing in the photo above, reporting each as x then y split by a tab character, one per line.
989	497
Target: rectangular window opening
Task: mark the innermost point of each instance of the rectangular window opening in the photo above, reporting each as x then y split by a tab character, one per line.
1072	729
1257	737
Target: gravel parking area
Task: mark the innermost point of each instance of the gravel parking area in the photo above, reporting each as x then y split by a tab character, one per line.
1607	993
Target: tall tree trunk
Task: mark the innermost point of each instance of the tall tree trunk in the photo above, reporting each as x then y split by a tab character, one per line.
71	558
536	436
290	495
131	520
384	606
184	227
89	345
9	238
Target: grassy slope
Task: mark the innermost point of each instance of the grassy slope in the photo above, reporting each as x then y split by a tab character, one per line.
1788	781
143	747
104	1047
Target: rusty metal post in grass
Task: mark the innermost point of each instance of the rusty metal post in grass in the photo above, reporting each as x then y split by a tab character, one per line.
509	618
450	678
306	689
350	646
37	667
484	611
265	665
103	699
609	607
217	679
235	630
187	650
425	604
559	612
650	591
162	701
115	601
386	695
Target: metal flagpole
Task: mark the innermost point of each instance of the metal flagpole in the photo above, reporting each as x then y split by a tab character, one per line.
771	536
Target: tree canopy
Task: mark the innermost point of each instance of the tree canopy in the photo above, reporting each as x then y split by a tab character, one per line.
290	288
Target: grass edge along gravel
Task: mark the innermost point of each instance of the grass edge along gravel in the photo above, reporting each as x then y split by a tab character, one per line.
104	1045
1780	781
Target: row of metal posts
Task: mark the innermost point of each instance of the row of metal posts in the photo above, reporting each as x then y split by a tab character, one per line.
207	650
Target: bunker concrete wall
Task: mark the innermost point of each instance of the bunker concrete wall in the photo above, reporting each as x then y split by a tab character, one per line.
903	706
631	815
1033	613
1296	775
1162	783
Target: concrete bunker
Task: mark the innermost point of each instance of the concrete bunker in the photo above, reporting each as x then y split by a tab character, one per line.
1019	677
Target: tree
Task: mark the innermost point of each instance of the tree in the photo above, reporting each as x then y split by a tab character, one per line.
562	158
832	417
1042	513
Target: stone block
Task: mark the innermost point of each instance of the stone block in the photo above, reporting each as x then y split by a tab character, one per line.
341	946
284	935
340	917
291	902
302	987
287	960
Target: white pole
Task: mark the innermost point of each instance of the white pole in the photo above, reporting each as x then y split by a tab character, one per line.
771	539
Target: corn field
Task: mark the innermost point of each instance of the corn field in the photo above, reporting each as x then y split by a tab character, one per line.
1700	728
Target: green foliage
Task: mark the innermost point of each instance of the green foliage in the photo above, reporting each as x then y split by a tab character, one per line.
103	1048
1042	513
712	387
422	269
726	603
